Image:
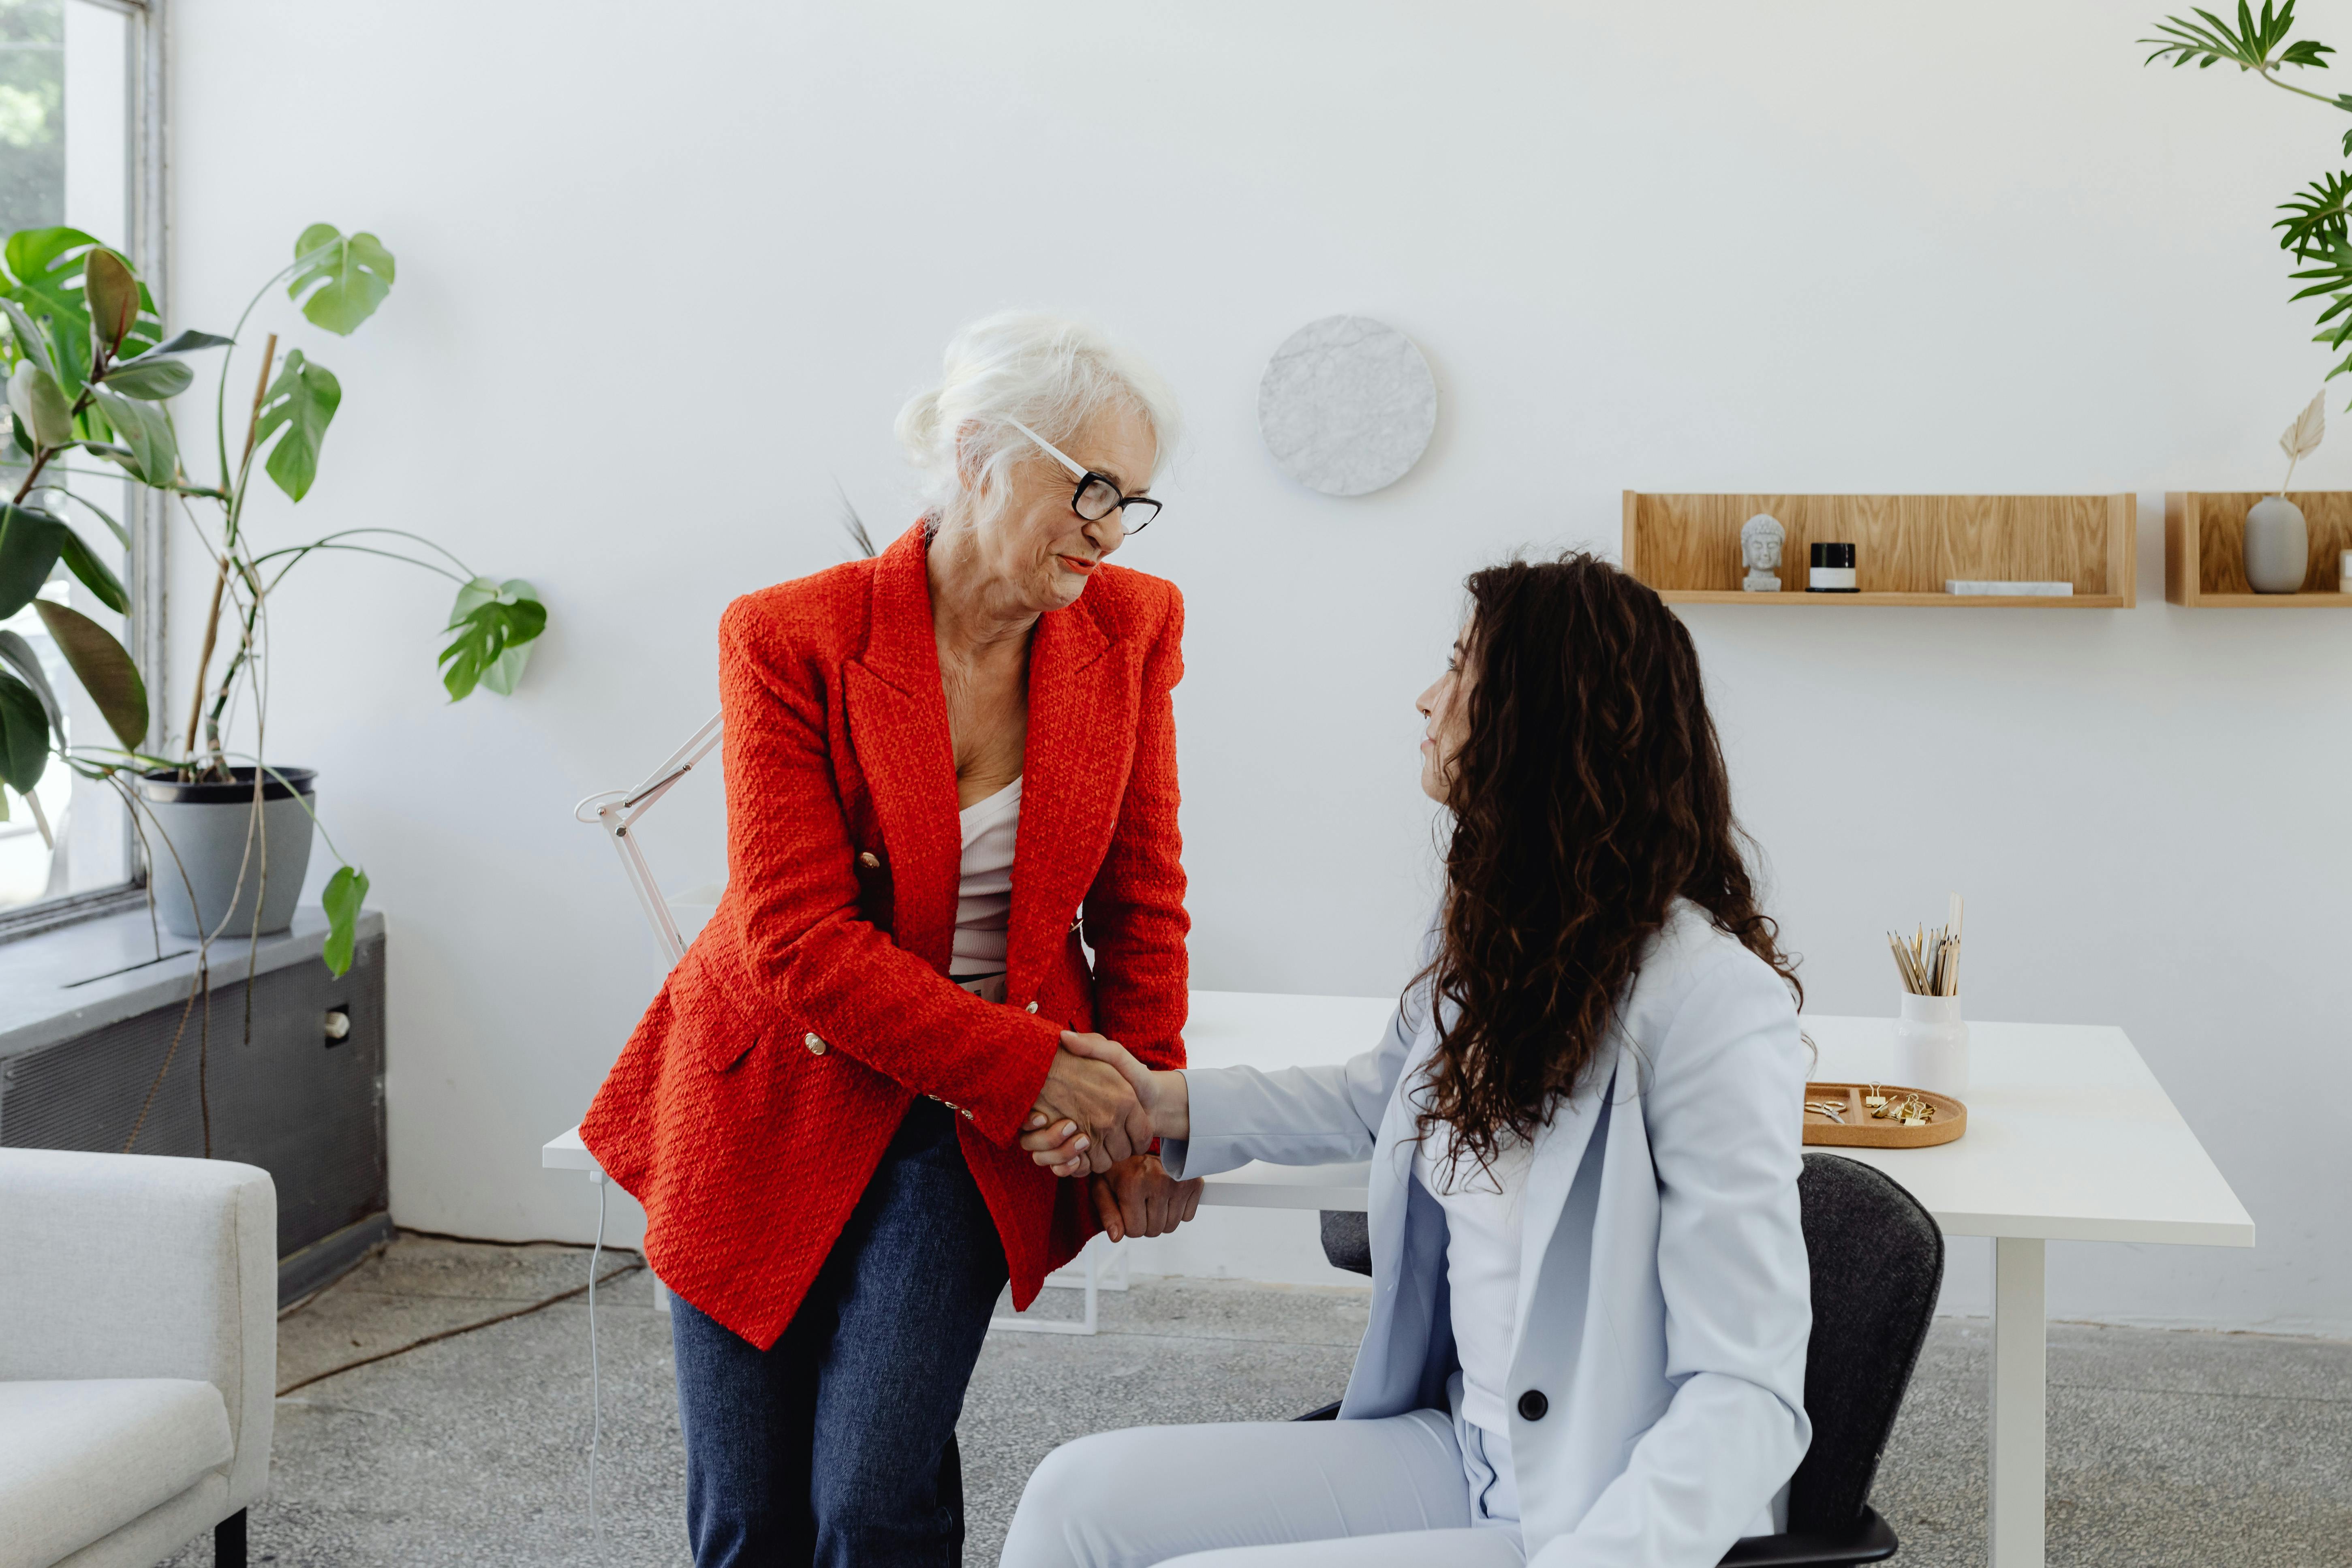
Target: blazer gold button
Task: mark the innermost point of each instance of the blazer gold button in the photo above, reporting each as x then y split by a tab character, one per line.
1033	1006
815	1046
1532	1404
869	859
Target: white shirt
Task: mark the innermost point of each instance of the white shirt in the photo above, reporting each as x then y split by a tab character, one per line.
1484	1211
984	893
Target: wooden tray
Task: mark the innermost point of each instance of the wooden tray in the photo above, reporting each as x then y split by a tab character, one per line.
1860	1132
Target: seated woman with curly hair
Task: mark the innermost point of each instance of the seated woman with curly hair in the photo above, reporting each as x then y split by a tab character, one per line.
1591	1302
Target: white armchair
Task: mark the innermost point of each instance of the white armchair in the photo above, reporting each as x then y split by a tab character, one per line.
138	1355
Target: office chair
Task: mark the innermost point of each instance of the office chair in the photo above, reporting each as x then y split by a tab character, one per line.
1877	1262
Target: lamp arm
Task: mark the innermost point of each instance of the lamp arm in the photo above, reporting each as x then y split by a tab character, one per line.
606	810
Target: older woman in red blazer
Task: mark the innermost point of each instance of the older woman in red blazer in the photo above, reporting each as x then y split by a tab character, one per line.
951	771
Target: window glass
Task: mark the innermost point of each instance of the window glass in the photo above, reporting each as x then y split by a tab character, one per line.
66	150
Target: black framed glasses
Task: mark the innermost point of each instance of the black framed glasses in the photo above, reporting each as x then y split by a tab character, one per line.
1096	497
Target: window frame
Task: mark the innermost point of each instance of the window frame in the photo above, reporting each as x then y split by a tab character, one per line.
148	245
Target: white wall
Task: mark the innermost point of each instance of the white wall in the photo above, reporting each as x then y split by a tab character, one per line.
1719	247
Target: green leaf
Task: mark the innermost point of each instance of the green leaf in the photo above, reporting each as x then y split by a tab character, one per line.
36	400
301	402
29	543
150	378
24	735
189	342
104	669
44	269
29	341
346	279
111	294
494	623
94	574
146	430
18	655
121	535
345	891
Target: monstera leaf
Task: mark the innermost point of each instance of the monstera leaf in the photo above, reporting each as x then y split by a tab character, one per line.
346	279
44	276
495	623
301	402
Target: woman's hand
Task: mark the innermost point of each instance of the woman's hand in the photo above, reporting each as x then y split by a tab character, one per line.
1093	1109
1062	1145
1138	1198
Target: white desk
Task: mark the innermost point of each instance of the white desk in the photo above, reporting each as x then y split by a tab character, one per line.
2070	1139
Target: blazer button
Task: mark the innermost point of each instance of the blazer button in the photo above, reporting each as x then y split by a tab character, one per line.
1532	1404
869	859
1033	1006
815	1046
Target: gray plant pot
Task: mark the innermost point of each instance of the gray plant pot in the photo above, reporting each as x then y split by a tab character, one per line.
2278	546
214	849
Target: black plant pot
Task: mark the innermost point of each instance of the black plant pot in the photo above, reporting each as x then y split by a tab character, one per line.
208	838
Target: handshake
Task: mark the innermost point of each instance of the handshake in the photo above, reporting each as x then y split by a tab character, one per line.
1097	1114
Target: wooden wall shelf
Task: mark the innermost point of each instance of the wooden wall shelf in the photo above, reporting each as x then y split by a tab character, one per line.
2205	550
1907	547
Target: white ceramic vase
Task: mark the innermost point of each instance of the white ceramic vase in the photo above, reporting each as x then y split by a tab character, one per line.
1931	1046
2278	546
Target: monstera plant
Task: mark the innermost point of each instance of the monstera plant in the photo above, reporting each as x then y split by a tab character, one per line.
90	379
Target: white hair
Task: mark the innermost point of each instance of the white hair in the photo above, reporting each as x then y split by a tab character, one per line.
1048	372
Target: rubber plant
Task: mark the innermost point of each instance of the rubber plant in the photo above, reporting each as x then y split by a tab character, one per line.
90	378
2314	231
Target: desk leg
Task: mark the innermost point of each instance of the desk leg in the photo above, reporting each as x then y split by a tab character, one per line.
2020	1377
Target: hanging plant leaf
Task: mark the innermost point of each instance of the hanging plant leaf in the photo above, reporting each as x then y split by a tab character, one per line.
149	377
302	401
104	668
493	622
346	279
24	735
28	550
345	891
146	431
18	655
111	294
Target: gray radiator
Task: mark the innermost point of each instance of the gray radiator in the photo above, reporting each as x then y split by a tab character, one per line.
283	1093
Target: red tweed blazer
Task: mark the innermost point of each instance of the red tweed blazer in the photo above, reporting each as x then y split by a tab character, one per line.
752	1105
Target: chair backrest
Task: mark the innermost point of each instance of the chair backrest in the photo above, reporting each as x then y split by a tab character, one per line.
1347	1240
1877	1265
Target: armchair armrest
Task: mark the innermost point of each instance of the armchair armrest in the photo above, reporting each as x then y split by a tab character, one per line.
145	1266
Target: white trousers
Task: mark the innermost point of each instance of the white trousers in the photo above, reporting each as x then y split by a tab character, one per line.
1392	1493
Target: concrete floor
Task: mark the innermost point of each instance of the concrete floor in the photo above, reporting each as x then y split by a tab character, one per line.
2166	1448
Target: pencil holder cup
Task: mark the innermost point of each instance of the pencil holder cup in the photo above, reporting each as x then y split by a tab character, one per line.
1931	1046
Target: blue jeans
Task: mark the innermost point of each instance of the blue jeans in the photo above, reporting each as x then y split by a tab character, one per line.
836	1446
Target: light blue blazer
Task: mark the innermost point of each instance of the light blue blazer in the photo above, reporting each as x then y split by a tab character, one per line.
1664	1297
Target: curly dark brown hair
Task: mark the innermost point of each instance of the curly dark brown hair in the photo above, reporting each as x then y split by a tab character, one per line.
1588	794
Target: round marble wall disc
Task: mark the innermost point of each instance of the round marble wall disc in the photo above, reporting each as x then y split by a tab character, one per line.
1346	405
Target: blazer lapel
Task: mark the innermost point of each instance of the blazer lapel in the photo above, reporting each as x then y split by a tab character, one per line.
1551	1171
897	717
1082	718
